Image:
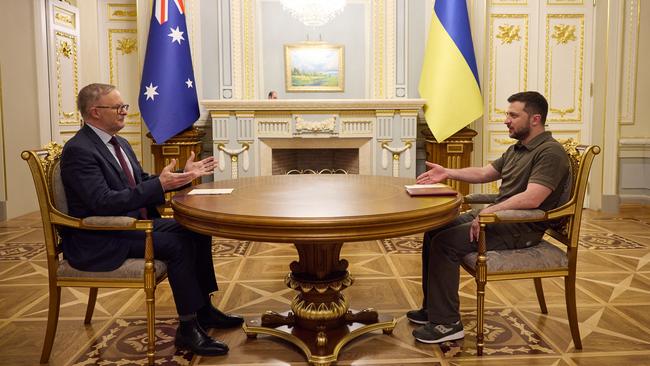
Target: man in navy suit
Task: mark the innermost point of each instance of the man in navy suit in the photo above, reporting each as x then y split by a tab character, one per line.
102	177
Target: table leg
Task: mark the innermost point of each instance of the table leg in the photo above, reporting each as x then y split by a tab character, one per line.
320	322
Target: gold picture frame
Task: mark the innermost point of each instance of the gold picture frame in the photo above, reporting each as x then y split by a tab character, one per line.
314	67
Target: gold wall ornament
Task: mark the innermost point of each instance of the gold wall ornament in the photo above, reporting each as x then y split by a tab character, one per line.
564	33
126	45
506	142
64	18
64	49
508	33
562	112
125	13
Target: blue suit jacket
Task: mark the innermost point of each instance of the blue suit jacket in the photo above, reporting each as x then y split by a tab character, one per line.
95	185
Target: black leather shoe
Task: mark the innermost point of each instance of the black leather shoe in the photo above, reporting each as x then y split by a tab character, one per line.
211	317
190	335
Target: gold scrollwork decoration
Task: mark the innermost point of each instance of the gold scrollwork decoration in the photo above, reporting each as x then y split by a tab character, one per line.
562	112
507	141
564	33
125	13
65	49
63	18
508	33
126	45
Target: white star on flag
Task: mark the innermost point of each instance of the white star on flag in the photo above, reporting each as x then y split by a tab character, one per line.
189	83
176	35
151	91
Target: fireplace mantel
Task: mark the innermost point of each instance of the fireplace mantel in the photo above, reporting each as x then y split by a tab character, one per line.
244	132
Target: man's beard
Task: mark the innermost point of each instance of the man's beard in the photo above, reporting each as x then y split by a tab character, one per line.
521	134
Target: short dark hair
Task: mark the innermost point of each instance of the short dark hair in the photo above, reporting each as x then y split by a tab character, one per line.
534	103
89	94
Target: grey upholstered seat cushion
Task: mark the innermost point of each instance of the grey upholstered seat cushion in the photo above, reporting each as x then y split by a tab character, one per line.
132	268
544	256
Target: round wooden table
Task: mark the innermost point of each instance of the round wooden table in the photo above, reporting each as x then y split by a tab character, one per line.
317	213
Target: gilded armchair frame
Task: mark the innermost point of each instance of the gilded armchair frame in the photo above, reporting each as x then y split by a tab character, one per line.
44	166
567	232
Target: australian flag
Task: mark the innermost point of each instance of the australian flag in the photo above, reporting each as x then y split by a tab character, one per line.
167	99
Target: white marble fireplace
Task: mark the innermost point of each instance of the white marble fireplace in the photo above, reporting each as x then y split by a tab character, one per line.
245	133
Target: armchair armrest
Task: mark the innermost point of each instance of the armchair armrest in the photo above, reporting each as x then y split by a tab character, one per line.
100	222
104	221
513	216
479	198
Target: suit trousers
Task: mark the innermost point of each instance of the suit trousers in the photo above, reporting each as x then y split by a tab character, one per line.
188	255
443	250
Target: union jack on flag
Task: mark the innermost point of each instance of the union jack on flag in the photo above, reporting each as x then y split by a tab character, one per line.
167	97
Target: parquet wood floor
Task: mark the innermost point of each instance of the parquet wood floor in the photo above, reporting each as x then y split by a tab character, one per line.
613	305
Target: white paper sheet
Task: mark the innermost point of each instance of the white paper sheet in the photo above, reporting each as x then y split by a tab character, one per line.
434	185
211	191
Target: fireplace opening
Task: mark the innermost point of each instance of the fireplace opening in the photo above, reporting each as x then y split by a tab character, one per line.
315	161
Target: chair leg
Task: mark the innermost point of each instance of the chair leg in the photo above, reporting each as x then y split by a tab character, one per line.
540	295
52	322
92	299
151	324
480	307
572	312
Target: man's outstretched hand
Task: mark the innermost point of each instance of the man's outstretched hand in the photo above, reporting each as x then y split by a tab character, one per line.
193	169
436	174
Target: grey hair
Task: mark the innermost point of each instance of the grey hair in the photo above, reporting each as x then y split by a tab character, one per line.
90	94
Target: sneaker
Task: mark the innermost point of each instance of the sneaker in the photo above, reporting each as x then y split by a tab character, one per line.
438	333
420	316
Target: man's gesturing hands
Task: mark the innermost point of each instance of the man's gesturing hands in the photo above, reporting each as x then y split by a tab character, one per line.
193	169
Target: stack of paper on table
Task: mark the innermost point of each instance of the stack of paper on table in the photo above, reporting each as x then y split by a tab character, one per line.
211	191
437	189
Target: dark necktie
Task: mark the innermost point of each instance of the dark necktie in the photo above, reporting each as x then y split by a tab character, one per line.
127	171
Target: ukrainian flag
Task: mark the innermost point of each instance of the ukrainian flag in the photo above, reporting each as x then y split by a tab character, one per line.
449	80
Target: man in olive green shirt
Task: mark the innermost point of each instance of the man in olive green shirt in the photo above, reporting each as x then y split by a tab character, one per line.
533	174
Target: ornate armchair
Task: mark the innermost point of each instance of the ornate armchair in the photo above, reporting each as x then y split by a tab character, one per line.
543	260
134	273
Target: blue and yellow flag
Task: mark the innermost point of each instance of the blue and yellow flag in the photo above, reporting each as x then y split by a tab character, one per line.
449	80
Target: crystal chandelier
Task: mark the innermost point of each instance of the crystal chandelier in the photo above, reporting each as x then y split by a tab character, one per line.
314	13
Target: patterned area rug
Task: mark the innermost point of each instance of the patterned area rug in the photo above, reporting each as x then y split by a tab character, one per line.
505	332
125	343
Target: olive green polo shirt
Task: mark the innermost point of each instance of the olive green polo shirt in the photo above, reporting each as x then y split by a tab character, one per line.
542	161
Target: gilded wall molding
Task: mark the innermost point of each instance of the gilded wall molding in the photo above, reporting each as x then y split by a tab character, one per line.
248	17
630	60
564	47
237	45
122	12
67	70
508	2
379	42
508	38
390	52
65	18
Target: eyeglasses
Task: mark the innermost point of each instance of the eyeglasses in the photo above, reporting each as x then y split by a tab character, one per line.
118	108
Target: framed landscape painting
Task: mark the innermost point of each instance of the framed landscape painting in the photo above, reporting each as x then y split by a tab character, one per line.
314	67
